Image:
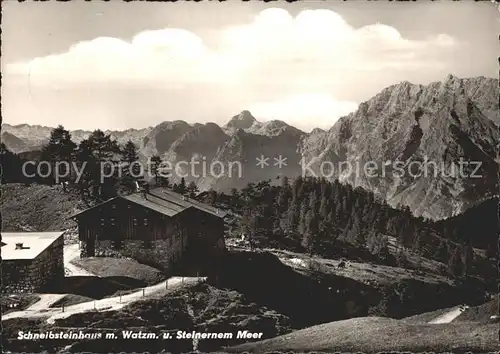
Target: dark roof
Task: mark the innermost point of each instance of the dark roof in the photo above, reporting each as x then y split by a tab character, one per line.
157	204
164	202
177	198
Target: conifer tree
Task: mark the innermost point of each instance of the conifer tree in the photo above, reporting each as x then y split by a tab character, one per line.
455	265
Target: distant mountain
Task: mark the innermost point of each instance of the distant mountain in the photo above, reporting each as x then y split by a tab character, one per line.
239	156
13	143
35	136
161	137
243	121
444	123
201	144
408	124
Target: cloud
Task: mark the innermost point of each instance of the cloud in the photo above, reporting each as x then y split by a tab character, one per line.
274	36
309	59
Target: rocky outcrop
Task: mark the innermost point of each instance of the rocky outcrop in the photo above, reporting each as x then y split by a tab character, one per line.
444	125
408	126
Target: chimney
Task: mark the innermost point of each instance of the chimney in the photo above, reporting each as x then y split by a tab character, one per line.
19	246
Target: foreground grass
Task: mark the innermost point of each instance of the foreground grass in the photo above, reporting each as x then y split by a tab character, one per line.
427	316
375	334
120	267
481	313
197	307
71	299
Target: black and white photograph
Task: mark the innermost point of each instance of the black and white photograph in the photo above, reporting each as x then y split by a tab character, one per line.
250	176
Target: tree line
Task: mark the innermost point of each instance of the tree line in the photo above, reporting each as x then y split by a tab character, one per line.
313	215
318	216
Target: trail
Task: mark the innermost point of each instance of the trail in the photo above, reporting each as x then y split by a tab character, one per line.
46	300
449	316
107	304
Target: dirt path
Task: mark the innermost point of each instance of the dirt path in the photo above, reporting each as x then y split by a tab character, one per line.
107	304
46	300
449	316
72	252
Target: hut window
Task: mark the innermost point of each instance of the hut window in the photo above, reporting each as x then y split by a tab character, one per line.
102	222
113	206
135	222
145	221
112	221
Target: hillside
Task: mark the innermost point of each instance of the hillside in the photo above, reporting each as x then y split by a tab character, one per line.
14	143
375	334
439	124
463	227
36	207
481	313
202	308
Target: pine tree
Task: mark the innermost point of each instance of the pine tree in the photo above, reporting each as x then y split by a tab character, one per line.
102	146
154	168
309	231
356	234
401	257
132	170
383	249
468	258
455	265
417	244
60	152
302	219
98	153
441	253
181	187
192	189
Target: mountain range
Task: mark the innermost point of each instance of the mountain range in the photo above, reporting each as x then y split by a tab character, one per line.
444	124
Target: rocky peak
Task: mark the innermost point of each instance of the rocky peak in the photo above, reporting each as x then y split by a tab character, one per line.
243	120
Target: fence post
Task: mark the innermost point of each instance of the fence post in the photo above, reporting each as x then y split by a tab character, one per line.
143	292
62	307
94	305
166	284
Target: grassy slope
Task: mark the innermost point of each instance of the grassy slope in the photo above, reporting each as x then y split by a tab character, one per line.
71	299
120	267
377	334
427	316
38	207
366	273
200	307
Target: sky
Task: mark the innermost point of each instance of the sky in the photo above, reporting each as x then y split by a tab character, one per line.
118	65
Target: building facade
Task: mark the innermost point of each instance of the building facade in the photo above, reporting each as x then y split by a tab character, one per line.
159	228
32	261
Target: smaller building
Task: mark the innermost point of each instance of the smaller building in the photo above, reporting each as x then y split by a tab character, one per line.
32	261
